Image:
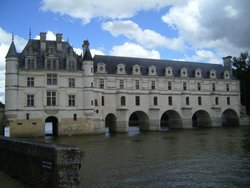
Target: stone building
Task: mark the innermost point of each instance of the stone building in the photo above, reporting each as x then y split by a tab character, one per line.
78	94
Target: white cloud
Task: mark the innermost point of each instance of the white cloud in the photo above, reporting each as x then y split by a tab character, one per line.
221	25
118	9
49	36
147	38
205	55
134	50
93	51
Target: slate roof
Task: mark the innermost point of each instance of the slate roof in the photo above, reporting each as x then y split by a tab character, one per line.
36	48
112	62
12	50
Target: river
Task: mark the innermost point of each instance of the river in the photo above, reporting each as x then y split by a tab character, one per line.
213	157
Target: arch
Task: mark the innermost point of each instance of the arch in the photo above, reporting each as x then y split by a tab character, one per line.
51	126
201	118
171	119
229	118
139	119
110	122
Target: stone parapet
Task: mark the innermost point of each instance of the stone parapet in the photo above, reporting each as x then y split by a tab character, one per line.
41	164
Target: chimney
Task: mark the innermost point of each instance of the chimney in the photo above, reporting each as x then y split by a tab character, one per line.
59	41
227	62
43	41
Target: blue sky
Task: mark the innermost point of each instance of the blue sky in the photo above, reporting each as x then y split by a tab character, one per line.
189	30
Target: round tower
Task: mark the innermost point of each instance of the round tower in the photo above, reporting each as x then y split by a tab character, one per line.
11	82
88	80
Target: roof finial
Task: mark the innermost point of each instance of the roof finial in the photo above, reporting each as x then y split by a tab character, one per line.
12	36
30	33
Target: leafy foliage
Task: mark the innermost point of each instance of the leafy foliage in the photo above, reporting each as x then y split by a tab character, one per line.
241	70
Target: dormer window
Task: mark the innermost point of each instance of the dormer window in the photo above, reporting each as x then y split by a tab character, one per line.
30	63
152	70
168	71
212	74
71	65
136	69
184	72
101	68
226	75
197	73
121	69
51	64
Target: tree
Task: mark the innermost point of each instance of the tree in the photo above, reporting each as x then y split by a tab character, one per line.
241	70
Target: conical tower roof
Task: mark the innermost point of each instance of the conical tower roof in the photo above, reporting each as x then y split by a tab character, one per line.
86	51
12	50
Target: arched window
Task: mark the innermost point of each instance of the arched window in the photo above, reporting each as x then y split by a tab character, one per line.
216	101
155	101
123	101
187	100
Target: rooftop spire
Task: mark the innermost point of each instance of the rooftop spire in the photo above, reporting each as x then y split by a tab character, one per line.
12	36
30	33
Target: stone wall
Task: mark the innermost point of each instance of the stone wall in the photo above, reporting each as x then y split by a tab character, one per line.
40	164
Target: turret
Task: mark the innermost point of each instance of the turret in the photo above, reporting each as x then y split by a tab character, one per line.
88	79
11	81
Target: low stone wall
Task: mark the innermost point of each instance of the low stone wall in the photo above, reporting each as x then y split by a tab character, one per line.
41	164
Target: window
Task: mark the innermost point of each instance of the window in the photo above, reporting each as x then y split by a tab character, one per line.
187	100
103	101
213	87
123	101
92	85
198	86
51	64
71	66
137	100
75	117
228	101
137	84
184	86
27	116
121	84
153	85
96	102
199	101
30	100
227	87
169	85
101	83
71	100
30	64
51	98
216	101
170	102
155	101
71	82
30	82
51	79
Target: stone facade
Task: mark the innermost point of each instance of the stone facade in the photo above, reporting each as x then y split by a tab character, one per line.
48	82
